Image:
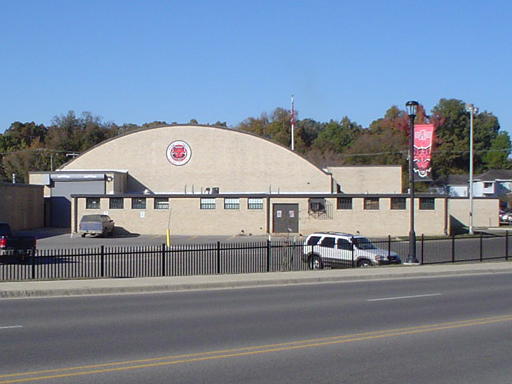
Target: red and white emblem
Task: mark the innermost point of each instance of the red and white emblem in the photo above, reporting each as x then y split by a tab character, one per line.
179	153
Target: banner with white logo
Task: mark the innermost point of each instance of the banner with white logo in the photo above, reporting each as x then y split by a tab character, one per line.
423	138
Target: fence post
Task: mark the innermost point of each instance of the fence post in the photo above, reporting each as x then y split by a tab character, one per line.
352	244
481	247
453	248
218	257
268	255
102	257
33	260
163	259
422	247
506	245
389	245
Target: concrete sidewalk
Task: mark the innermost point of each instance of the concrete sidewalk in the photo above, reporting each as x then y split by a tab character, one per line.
162	284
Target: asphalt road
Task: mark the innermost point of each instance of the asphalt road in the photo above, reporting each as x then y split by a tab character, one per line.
427	330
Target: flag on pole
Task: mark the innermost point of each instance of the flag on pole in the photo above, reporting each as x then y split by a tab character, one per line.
292	121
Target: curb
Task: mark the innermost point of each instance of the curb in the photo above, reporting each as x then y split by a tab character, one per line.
33	289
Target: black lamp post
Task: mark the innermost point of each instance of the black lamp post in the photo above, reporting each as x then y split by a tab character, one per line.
412	107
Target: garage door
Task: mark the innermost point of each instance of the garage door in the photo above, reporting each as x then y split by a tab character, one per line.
61	198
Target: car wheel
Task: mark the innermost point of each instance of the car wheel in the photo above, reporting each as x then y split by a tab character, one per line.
315	263
363	263
83	234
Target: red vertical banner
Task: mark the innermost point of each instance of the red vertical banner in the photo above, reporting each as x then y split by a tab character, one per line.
423	138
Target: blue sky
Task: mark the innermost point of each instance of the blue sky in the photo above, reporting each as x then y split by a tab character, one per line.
142	61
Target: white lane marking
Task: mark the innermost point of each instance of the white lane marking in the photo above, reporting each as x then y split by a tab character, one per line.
11	326
406	297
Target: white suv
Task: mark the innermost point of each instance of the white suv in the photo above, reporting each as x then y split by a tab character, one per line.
334	249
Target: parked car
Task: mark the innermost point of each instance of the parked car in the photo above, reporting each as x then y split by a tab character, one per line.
505	216
18	246
335	249
97	225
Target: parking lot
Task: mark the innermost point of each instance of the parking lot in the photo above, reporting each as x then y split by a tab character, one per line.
61	238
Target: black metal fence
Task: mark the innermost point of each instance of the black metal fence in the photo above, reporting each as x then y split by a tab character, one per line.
438	250
222	258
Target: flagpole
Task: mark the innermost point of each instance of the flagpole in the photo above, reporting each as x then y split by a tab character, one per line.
292	120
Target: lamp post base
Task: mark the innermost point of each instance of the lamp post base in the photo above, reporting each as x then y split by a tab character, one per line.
411	257
411	260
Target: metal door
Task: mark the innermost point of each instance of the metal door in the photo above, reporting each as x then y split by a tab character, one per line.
285	218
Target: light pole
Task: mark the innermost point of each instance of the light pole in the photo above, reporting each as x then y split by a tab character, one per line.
412	107
472	111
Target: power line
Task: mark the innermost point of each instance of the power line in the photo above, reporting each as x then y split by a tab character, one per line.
38	150
433	152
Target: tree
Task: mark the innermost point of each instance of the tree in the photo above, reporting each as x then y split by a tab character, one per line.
72	134
24	134
338	137
254	125
22	161
324	159
385	142
15	154
497	155
307	130
451	144
388	147
276	127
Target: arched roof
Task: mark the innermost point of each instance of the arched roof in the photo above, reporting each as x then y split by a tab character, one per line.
178	158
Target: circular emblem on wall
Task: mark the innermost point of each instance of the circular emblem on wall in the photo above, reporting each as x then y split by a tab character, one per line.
179	152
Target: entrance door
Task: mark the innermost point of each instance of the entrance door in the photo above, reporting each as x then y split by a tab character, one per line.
285	218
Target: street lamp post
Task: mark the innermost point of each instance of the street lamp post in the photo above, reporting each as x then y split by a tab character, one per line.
412	107
472	111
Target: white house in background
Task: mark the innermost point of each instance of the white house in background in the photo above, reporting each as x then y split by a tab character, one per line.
495	183
457	186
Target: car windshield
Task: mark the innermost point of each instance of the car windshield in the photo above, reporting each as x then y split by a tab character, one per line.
364	243
313	240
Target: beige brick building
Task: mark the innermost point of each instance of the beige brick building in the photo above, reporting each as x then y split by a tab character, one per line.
22	206
208	180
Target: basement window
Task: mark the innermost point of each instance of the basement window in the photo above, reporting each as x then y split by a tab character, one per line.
161	203
344	203
207	203
371	203
92	203
116	203
254	203
232	203
138	203
427	204
397	203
